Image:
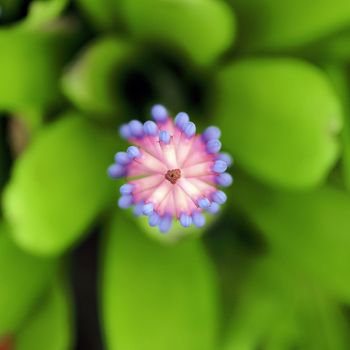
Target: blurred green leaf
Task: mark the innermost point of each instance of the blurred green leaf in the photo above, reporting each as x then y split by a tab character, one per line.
23	280
60	185
203	29
30	65
271	24
43	12
308	230
102	14
89	81
50	326
39	12
278	309
281	118
156	296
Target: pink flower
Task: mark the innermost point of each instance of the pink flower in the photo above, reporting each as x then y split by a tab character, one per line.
172	172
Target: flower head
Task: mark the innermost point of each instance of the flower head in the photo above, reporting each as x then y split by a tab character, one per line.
171	172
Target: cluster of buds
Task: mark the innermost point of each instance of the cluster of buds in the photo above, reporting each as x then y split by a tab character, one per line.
172	172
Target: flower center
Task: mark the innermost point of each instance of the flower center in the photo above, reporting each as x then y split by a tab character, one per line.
173	175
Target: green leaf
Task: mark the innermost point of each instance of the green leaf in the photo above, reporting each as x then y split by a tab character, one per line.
60	185
202	29
309	231
271	24
101	14
23	281
279	309
43	12
89	81
156	296
31	61
50	326
280	119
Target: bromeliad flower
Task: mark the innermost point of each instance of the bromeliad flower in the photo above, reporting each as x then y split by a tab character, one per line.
172	173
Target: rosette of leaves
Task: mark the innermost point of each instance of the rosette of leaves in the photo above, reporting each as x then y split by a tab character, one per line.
271	272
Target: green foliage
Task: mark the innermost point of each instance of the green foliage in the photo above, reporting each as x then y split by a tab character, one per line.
61	178
31	61
285	131
279	308
184	24
271	272
271	24
315	227
23	281
49	326
89	83
156	296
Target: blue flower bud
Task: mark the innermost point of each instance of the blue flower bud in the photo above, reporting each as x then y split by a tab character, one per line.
219	166
213	146
185	220
224	179
133	152
181	119
159	113
164	136
198	219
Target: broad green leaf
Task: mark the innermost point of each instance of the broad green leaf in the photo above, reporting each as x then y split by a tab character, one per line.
331	49
279	309
271	24
23	281
156	296
4	157
101	14
280	119
89	81
43	12
203	29
308	230
30	65
59	185
339	75
50	325
39	12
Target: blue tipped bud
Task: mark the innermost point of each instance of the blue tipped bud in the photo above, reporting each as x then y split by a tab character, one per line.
203	203
219	197
181	119
189	129
213	208
122	158
136	128
125	201
159	113
185	220
165	223
116	171
148	209
154	219
219	166
150	128
213	146
126	189
198	219
133	152
125	131
164	136
211	133
226	158
224	179
138	208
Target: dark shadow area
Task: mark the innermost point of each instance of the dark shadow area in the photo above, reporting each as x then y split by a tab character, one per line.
84	283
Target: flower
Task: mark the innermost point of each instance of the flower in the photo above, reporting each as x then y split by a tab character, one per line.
172	172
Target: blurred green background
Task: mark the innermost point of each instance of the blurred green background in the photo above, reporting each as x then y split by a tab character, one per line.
271	272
